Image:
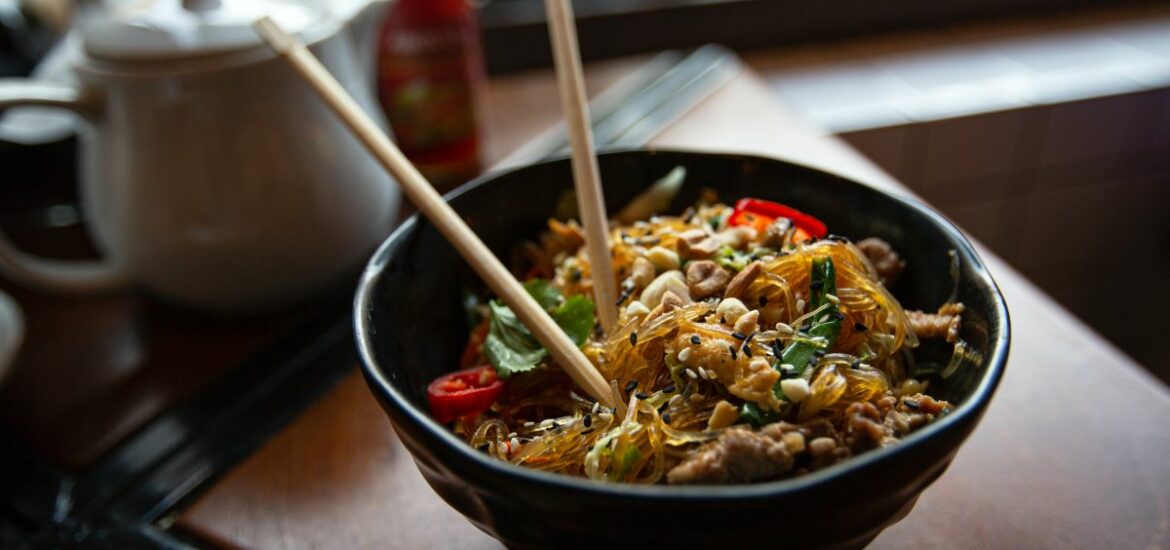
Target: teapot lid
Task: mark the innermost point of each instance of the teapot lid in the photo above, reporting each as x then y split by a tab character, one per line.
174	29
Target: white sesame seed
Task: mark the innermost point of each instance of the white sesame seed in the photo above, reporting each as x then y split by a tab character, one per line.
529	424
691	373
674	400
512	435
596	407
702	373
787	366
824	318
833	298
515	444
605	416
784	329
800	305
547	422
684	355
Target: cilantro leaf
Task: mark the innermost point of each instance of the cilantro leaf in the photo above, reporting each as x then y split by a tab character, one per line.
575	317
511	348
544	293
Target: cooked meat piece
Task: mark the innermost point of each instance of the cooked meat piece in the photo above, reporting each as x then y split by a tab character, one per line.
776	235
888	419
694	244
887	263
944	324
706	278
738	456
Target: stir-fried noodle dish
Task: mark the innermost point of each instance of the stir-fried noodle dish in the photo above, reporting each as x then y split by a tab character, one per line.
751	345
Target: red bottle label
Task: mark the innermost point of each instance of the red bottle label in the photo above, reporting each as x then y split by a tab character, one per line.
428	75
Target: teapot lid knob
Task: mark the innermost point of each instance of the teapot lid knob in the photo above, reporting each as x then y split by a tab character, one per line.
169	30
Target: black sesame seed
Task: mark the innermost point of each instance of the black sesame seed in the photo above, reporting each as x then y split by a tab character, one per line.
856	364
788	374
625	294
640	395
631	386
763	301
666	418
816	286
813	360
734	355
587	432
575	275
668	389
695	340
588	421
838	315
805	327
859	327
777	348
747	350
750	336
739	335
910	403
633	338
663	407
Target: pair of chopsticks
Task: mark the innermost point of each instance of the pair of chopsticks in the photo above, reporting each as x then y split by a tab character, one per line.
455	230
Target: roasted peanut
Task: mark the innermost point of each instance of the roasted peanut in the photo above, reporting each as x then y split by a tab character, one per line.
742	280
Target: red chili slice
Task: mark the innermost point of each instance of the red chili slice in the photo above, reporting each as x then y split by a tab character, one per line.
464	392
759	214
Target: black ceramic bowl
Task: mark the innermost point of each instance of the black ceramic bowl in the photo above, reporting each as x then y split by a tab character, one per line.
410	329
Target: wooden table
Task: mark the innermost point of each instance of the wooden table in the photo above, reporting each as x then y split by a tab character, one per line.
1071	453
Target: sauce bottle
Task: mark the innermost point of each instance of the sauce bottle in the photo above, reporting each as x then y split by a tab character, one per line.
430	72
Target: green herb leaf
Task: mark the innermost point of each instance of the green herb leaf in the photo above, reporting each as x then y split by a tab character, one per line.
511	348
754	415
544	293
575	317
731	259
800	351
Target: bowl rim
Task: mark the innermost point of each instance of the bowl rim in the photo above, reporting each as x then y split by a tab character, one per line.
969	410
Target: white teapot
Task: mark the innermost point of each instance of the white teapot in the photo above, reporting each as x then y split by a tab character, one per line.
211	175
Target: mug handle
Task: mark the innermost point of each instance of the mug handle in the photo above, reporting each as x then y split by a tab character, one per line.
77	276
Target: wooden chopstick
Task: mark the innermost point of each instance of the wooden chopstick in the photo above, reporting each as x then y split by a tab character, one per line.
586	175
430	204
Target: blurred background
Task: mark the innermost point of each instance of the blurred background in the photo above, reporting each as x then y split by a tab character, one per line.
1042	127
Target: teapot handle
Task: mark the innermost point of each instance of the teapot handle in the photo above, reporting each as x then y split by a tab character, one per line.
80	276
